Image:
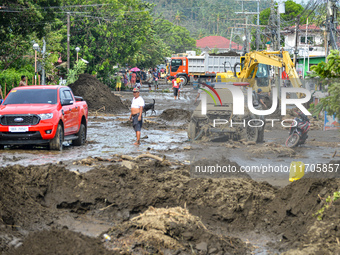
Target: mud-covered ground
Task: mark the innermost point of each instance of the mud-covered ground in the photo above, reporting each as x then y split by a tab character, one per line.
110	197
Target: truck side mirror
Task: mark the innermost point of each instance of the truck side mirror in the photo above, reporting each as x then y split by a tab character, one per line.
66	101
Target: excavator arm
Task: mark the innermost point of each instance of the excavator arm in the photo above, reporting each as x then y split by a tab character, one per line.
252	59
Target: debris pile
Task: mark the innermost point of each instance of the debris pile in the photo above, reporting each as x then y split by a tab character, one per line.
174	230
175	115
97	95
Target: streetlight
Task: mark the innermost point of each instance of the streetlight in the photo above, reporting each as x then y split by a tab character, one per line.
35	47
77	50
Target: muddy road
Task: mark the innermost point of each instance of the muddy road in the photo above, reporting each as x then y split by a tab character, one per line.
111	197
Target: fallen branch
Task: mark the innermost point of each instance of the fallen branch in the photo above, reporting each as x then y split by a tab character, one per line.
334	154
104	208
127	157
149	156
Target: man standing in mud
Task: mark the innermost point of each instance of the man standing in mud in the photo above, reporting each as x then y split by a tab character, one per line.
136	113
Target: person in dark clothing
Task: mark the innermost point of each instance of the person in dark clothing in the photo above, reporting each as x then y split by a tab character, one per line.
138	82
260	98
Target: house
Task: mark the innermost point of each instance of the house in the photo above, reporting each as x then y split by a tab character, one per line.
220	43
310	46
313	43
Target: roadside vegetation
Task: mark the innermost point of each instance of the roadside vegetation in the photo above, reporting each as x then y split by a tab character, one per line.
109	33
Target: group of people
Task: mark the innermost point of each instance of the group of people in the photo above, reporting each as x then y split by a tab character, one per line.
136	79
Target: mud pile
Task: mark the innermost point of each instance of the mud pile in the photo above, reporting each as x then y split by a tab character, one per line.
36	197
97	95
293	216
60	242
174	114
175	230
229	53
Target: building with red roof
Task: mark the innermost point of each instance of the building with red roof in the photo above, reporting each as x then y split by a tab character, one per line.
217	42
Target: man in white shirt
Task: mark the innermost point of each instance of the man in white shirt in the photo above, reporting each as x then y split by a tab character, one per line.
136	113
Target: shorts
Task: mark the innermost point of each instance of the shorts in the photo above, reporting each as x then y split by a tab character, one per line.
155	83
175	92
137	125
118	85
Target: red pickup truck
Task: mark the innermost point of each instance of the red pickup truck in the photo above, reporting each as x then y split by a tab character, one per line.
43	115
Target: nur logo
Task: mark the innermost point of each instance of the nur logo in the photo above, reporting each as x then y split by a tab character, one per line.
210	94
238	99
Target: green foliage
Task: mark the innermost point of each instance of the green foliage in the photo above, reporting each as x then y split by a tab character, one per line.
329	72
11	77
113	32
203	17
292	10
73	74
111	35
18	21
327	204
331	69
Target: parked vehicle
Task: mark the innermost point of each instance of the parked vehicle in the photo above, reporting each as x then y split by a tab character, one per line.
47	115
298	131
204	67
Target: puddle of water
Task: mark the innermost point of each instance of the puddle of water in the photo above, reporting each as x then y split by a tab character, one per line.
85	224
105	138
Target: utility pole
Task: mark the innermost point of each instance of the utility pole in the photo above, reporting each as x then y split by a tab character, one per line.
279	70
331	25
246	35
258	25
68	41
271	24
231	38
278	27
246	29
296	51
43	82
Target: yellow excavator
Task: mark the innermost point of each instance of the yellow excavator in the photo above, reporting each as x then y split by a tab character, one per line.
254	69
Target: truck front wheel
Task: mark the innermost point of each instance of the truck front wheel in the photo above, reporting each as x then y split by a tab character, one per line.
184	78
57	142
81	136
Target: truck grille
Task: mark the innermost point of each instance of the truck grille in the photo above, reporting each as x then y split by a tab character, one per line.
19	120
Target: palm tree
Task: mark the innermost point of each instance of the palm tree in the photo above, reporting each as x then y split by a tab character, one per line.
179	17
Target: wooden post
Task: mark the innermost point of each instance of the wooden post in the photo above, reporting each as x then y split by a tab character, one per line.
39	79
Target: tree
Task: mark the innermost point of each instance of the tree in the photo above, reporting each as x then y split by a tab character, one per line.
292	10
19	20
179	17
112	33
330	72
177	38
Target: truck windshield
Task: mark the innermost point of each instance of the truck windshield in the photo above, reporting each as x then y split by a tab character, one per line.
32	96
175	64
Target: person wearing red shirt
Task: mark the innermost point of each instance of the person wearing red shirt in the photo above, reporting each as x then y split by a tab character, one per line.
175	87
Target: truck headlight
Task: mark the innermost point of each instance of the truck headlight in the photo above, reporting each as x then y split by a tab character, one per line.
45	116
